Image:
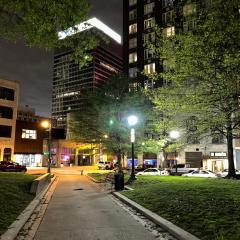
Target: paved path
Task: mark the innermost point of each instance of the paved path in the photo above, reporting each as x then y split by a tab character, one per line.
79	210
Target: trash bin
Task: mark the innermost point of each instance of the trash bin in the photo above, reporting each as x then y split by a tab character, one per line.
119	181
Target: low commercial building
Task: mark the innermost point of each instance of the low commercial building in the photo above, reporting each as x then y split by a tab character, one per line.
29	143
9	92
29	138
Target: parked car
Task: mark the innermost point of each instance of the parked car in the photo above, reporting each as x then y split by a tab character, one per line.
8	166
201	173
182	168
153	171
224	173
105	165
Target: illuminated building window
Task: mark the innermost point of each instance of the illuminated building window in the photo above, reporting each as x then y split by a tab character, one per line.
132	14
149	23
132	43
149	37
189	9
133	28
149	68
148	8
167	17
132	57
132	2
132	72
148	53
29	134
169	31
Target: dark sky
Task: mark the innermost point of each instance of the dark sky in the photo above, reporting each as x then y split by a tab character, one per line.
32	67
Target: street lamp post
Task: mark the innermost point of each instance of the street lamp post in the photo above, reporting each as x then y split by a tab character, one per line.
132	121
175	134
47	125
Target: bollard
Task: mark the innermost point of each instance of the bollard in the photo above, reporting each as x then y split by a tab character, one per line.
81	172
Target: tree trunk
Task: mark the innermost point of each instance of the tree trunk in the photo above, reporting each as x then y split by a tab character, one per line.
231	167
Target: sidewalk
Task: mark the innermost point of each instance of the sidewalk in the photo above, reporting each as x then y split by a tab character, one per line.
79	210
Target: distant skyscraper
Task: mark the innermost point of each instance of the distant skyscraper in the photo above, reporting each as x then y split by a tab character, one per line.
70	82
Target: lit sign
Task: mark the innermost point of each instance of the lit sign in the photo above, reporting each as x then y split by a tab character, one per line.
93	22
108	67
218	154
132	135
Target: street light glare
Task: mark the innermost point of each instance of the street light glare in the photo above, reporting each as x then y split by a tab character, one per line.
174	134
132	120
45	124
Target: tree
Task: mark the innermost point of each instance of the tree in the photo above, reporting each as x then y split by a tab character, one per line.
202	71
105	113
37	23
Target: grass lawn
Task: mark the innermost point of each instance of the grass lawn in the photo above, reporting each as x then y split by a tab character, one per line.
14	196
208	208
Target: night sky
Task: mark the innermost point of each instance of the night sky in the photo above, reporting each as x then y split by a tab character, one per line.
32	67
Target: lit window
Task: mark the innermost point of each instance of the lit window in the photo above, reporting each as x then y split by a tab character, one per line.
132	14
132	57
148	53
132	43
169	31
132	2
132	72
189	9
167	17
148	8
149	37
149	68
29	134
149	23
133	28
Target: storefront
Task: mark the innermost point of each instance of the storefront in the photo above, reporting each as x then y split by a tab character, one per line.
216	162
29	160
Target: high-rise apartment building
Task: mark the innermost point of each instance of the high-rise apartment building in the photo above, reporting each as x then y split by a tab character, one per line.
172	16
71	82
139	19
9	92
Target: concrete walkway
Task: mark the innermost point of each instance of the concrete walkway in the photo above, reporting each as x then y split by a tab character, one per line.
79	210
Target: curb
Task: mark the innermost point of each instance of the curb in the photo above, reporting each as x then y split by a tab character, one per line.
40	183
13	230
128	188
176	231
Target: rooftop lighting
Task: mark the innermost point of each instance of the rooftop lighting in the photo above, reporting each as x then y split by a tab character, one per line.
93	22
